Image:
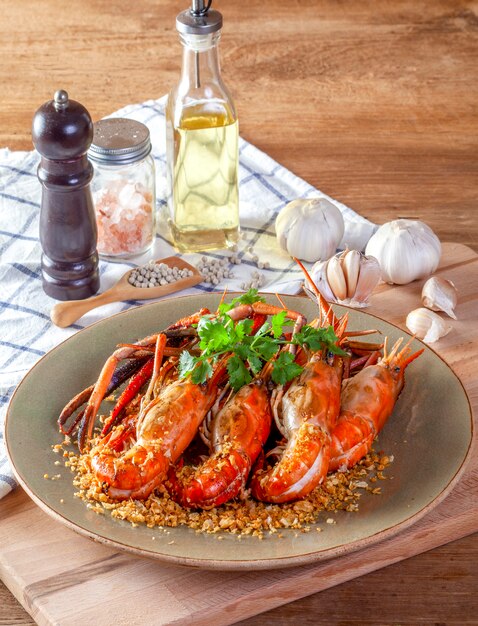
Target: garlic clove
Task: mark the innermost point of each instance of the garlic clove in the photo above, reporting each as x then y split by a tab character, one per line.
427	325
440	294
336	278
369	277
351	269
319	276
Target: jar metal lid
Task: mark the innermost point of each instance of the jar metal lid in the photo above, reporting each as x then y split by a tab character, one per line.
119	141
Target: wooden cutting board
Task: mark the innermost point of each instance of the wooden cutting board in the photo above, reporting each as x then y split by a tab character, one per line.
63	578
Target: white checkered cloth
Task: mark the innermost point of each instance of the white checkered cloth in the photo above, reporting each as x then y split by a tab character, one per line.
26	331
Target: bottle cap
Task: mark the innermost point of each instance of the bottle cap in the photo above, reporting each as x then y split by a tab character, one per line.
119	141
199	19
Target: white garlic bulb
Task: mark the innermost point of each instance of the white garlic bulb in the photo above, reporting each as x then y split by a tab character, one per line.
427	325
346	278
440	294
406	250
310	229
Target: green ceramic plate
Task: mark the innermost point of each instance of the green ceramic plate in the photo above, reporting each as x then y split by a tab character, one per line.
429	435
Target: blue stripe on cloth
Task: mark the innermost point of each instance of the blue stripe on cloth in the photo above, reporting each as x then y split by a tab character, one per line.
17	170
17	236
24	228
9	480
22	309
26	270
266	184
6	397
13	357
8	196
17	346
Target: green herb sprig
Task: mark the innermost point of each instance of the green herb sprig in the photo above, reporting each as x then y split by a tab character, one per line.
220	335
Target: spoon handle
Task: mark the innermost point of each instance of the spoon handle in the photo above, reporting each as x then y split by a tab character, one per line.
65	314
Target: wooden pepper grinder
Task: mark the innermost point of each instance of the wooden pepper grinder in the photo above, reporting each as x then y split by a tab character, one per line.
62	132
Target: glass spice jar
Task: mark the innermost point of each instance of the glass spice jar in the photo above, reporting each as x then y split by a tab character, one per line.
123	187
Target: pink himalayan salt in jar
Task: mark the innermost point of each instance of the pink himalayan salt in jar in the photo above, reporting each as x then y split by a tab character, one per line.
123	187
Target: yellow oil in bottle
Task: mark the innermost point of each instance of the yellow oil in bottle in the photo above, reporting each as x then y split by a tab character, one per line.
203	162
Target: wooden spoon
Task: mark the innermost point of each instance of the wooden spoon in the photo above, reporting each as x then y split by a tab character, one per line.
64	314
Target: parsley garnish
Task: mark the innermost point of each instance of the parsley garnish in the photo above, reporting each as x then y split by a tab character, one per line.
285	368
318	339
220	335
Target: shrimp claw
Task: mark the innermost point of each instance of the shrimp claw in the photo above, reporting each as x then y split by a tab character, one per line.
166	425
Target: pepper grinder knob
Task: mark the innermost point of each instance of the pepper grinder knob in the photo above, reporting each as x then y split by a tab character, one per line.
60	99
62	132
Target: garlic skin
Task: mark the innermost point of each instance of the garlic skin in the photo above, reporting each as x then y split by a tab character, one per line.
427	325
310	229
440	294
347	278
406	250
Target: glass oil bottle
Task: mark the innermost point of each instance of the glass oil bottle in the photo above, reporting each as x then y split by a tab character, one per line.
202	140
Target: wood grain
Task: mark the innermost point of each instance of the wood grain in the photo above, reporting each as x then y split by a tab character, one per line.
444	581
62	578
374	103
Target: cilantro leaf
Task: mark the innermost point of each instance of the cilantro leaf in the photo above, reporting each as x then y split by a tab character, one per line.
250	297
213	334
255	363
201	372
318	339
285	368
243	350
186	363
199	368
278	322
336	350
238	373
247	353
265	347
243	328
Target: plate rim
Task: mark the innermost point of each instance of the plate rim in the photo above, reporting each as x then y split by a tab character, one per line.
278	562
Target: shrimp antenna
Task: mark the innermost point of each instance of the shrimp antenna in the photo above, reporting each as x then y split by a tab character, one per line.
222	297
341	325
394	349
323	304
404	352
405	349
280	300
158	360
412	357
385	346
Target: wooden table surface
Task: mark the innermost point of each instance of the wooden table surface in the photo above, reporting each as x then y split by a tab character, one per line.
375	103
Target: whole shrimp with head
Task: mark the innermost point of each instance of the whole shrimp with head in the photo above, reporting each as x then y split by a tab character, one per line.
367	402
306	414
236	435
167	422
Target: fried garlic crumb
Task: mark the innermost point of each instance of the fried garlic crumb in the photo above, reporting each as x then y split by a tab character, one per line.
241	517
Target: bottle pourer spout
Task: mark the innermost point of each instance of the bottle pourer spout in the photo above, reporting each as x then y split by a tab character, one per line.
199	19
199	7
